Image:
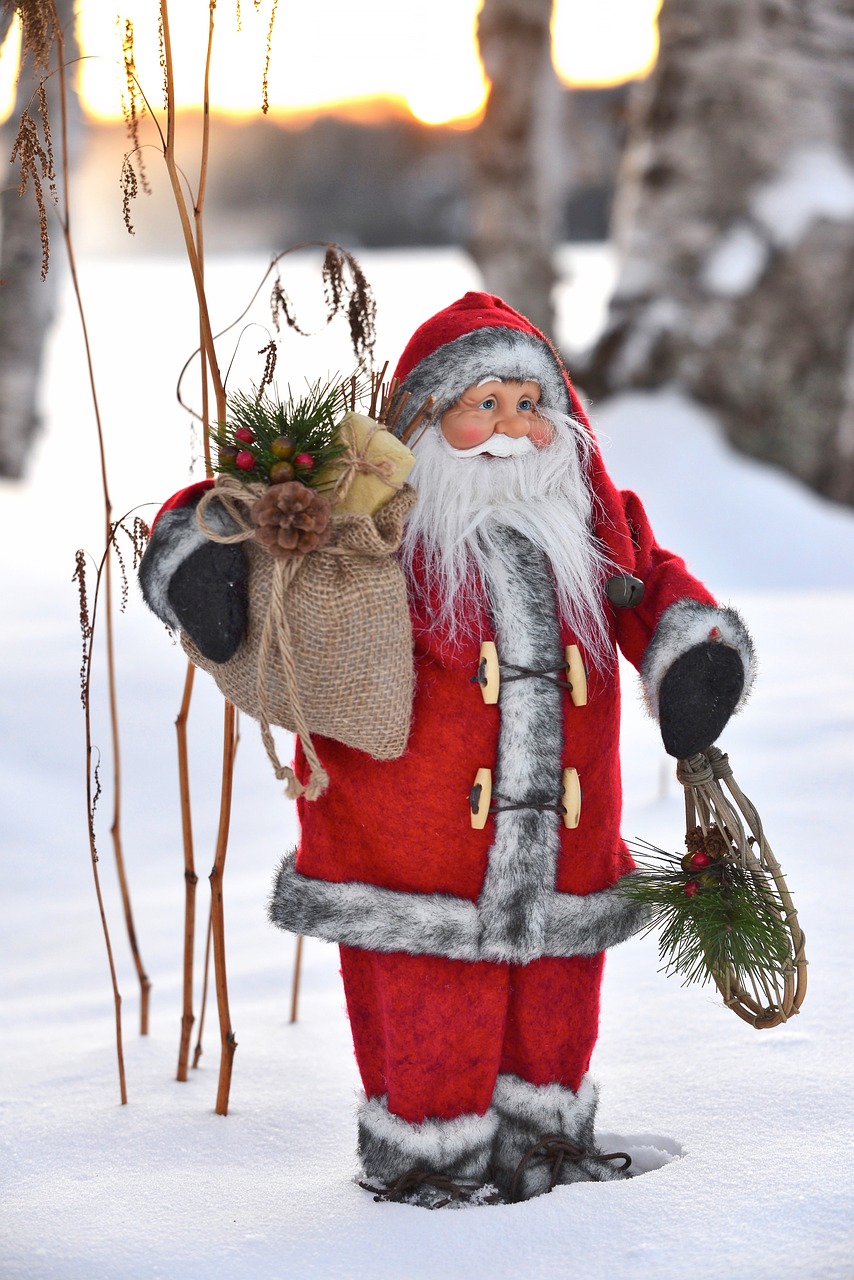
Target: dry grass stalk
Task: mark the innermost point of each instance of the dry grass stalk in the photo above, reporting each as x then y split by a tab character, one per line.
228	1041
197	1052
190	877
93	782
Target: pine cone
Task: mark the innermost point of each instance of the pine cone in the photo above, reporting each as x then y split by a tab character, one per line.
290	519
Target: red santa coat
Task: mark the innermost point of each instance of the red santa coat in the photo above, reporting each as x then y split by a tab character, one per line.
388	859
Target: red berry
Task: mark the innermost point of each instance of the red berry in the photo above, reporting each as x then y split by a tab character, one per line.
245	460
244	434
692	889
305	460
700	859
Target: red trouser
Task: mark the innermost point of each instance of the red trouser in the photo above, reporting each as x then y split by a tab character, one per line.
434	1034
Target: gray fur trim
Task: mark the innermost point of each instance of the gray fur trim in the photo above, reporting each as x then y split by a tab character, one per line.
508	354
372	918
389	1145
523	858
585	924
376	919
176	536
526	1113
682	626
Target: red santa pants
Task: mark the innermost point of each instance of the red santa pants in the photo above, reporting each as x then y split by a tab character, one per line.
434	1034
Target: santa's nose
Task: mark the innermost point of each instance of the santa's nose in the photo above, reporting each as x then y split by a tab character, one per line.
512	424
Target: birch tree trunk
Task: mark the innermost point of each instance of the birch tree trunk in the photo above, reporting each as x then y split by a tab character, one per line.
27	303
735	223
513	202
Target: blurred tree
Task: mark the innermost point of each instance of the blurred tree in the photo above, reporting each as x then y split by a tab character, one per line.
27	303
735	223
513	204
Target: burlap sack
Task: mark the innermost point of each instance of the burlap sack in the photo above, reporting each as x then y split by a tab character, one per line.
340	663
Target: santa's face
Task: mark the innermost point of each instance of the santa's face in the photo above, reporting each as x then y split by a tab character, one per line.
497	418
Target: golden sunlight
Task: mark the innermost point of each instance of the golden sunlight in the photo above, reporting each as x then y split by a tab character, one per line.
338	53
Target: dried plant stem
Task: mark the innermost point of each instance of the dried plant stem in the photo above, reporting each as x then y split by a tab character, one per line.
91	800
184	216
190	877
229	1043
115	829
197	1052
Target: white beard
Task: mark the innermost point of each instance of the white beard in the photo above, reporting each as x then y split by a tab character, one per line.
466	504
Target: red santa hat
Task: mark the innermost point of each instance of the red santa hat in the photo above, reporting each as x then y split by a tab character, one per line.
475	338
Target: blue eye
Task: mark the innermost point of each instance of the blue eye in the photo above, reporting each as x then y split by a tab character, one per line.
525	404
489	403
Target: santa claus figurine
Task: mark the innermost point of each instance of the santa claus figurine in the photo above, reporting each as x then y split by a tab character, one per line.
473	883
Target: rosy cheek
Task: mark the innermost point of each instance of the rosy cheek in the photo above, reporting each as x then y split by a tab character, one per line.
464	434
540	434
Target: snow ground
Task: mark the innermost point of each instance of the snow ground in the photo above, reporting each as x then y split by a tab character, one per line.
759	1124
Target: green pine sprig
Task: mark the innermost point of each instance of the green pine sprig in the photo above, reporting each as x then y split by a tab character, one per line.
266	440
712	920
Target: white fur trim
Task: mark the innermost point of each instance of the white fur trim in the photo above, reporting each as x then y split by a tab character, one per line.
390	1145
176	536
682	626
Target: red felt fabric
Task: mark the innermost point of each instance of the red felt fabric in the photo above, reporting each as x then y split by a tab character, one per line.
183	498
434	1034
404	824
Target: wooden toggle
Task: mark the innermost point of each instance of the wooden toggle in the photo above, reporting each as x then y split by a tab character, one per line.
480	797
488	676
576	675
571	798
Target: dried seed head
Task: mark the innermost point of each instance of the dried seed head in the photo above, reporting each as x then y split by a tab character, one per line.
133	101
270	354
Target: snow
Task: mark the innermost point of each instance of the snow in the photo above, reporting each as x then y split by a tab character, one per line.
814	182
735	263
746	1135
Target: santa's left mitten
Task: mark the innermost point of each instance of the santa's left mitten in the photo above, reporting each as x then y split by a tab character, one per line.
697	671
192	583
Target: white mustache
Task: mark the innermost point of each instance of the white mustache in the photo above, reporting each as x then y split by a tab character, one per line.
499	446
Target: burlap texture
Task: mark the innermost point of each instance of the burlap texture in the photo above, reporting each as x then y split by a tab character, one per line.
350	637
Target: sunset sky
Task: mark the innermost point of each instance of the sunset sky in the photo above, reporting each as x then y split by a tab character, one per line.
330	52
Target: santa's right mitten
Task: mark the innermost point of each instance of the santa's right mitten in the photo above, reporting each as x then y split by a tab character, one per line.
193	584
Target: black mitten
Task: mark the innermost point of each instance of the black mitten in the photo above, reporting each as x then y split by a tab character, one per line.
209	594
196	585
697	695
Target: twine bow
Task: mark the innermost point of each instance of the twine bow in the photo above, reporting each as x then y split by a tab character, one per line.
236	498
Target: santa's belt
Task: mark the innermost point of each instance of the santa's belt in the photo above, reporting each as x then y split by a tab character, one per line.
490	674
482	795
